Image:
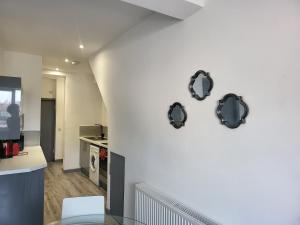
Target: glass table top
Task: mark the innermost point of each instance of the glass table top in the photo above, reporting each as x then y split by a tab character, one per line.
97	220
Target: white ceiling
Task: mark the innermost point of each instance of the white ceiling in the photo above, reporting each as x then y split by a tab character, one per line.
55	28
180	9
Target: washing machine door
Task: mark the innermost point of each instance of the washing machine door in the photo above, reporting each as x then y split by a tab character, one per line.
92	162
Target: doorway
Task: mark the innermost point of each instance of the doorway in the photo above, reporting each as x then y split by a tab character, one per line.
48	128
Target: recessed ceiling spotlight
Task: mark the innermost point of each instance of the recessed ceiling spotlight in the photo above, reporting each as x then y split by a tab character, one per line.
81	46
57	69
66	60
75	62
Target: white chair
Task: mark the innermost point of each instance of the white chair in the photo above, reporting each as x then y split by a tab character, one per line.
81	206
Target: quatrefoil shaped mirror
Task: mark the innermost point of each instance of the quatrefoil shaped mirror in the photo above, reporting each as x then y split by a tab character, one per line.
177	115
232	111
201	85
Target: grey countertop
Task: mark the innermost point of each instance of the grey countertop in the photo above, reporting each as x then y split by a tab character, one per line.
32	159
98	143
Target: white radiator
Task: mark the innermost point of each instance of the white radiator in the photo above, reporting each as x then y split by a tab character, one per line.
154	208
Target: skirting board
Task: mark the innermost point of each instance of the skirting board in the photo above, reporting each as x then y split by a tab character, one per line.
71	170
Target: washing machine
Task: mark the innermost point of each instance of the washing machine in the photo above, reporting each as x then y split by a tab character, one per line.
94	164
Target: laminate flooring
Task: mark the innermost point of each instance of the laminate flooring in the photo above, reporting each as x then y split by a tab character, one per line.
60	185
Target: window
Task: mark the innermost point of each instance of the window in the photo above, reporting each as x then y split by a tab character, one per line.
8	97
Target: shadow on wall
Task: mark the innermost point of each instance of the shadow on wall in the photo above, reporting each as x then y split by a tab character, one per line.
159	24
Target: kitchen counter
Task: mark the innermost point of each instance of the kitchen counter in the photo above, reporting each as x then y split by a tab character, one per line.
98	143
32	160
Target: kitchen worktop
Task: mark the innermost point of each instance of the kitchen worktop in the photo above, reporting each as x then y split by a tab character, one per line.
98	142
32	159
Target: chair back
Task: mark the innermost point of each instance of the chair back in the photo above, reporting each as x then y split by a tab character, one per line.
81	206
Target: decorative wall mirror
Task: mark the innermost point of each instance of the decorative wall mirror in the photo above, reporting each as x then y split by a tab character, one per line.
232	111
201	85
177	115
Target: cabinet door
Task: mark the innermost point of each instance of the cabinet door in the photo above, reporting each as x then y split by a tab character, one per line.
82	150
84	157
87	156
22	198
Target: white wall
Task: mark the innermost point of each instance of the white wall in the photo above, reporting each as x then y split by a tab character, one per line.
60	118
48	87
103	113
29	68
82	107
246	176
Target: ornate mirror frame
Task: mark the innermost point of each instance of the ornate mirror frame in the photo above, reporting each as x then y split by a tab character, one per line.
172	121
221	104
193	79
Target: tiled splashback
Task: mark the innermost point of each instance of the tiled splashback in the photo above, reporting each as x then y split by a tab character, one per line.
105	131
31	138
93	130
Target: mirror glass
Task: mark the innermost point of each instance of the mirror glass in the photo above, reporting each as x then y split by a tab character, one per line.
10	103
232	111
177	115
201	85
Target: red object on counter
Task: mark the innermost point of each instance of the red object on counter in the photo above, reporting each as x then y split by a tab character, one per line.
16	149
8	149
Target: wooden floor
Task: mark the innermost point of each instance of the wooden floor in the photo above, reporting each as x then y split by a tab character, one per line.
60	185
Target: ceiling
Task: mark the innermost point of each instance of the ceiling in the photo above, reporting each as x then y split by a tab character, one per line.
55	28
180	9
